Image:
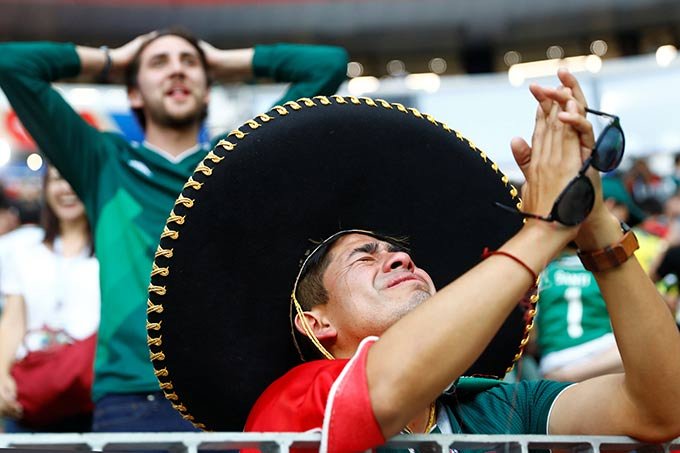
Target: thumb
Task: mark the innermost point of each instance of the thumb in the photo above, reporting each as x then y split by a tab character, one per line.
521	151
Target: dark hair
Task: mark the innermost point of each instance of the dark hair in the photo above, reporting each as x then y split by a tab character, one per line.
50	222
310	291
132	70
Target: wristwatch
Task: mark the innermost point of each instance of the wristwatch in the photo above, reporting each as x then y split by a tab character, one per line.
613	255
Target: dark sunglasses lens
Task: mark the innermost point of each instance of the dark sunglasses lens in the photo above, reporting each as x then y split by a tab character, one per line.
609	149
575	203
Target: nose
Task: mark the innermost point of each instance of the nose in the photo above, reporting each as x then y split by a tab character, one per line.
398	260
176	66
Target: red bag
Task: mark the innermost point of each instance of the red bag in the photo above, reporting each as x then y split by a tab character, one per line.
56	383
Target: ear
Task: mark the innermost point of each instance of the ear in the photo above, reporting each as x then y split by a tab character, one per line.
318	324
135	98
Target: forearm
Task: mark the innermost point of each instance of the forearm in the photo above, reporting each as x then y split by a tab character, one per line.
233	65
92	61
12	331
645	331
447	333
312	70
26	72
648	340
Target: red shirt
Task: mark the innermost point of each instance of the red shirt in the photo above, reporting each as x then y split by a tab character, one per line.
326	395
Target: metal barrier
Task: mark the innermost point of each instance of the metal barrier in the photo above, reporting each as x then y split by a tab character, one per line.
283	442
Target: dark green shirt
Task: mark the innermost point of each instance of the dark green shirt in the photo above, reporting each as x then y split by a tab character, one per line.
129	189
485	406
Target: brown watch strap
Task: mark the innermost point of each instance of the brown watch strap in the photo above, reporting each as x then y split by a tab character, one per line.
611	256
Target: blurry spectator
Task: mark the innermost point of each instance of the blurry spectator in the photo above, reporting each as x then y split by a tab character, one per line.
51	294
666	267
642	183
129	188
9	217
573	330
667	274
27	232
663	217
655	223
574	334
674	177
619	201
622	205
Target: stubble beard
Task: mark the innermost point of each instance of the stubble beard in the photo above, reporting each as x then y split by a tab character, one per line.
157	113
186	121
417	298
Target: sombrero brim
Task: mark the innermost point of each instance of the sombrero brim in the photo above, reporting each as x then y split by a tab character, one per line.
218	323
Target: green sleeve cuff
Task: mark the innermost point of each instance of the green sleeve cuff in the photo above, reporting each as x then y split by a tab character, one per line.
261	60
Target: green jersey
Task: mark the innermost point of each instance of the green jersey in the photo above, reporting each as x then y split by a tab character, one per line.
571	310
129	189
486	406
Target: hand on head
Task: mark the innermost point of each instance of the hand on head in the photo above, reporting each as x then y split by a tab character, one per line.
122	56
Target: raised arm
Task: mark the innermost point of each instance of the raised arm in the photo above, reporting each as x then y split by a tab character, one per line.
642	402
312	70
413	362
26	73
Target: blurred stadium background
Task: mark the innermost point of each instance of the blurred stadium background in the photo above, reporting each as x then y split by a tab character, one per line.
466	62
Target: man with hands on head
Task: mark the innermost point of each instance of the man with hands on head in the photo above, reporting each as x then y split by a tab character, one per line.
129	188
392	382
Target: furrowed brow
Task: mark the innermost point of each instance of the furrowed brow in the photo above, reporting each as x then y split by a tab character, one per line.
369	247
396	248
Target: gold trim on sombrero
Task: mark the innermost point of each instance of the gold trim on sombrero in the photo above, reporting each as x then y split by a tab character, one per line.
205	168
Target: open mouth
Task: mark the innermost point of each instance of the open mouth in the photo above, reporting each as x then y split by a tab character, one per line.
68	200
178	92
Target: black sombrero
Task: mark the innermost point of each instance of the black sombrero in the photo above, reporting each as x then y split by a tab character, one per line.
218	311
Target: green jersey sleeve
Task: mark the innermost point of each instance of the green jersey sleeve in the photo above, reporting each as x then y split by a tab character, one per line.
73	146
312	70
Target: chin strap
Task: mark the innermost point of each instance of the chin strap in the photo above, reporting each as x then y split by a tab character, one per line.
306	328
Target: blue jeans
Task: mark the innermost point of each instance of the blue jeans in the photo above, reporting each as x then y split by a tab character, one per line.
137	412
76	424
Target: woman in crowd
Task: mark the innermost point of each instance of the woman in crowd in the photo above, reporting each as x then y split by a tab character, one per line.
51	294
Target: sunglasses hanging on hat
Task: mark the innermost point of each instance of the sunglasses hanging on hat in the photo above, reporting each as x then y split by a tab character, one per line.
576	201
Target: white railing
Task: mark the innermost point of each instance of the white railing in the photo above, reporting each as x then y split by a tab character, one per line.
283	442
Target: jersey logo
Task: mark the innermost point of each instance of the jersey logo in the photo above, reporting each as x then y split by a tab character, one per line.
140	167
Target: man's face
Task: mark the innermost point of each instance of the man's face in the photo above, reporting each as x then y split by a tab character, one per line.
172	86
371	284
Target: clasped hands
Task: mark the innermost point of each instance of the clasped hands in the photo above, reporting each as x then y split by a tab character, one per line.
562	140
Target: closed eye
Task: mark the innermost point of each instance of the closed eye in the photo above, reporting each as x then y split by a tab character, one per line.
364	259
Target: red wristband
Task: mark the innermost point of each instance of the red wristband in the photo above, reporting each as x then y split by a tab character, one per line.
487	253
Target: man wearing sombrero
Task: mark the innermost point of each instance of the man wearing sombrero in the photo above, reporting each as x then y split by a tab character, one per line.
354	174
